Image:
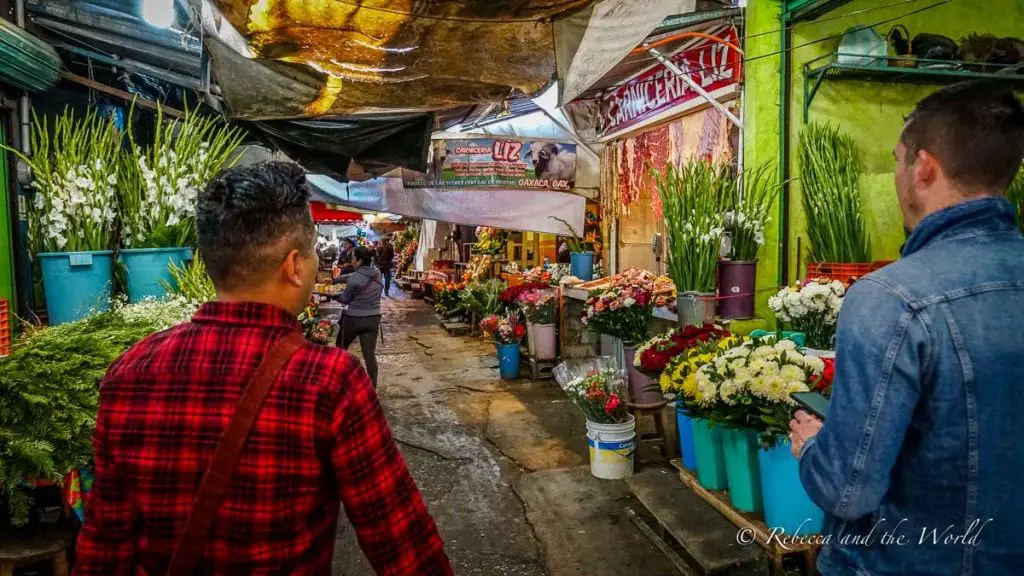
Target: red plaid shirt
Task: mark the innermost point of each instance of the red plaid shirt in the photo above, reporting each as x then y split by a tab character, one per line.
320	438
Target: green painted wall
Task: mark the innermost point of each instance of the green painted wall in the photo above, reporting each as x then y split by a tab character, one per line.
761	126
871	112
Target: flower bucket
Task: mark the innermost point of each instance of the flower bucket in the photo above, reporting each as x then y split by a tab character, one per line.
508	361
707	444
742	469
545	345
642	389
612	447
736	284
531	344
695	308
686	444
582	265
786	505
76	284
148	268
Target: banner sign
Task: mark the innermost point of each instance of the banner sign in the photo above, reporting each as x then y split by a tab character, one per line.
497	163
712	65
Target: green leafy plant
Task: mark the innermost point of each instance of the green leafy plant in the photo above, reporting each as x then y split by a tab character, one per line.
748	209
1016	195
693	197
73	179
483	298
576	243
159	183
191	281
49	391
829	173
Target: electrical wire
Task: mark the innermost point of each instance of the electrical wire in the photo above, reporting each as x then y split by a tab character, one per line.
746	60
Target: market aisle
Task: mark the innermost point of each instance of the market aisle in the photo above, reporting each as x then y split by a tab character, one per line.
501	466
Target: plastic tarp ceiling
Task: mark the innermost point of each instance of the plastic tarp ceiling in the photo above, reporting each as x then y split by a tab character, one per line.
591	42
277	59
510	209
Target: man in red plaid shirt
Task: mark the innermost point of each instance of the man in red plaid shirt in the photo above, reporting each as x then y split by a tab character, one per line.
320	439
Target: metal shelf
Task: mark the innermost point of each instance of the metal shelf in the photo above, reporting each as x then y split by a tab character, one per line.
902	70
804	10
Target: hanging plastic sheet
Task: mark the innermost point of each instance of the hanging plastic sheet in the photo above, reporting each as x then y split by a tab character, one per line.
278	59
499	208
377	142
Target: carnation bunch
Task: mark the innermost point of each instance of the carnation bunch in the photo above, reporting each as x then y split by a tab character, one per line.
811	307
511	294
503	329
655	354
599	394
622	312
539	306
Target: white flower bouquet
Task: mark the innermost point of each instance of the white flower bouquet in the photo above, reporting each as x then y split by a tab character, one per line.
159	184
75	190
811	307
749	385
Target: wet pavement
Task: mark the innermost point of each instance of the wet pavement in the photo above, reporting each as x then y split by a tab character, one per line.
501	465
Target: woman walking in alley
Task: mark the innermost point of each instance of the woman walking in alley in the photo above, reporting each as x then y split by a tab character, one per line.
362	319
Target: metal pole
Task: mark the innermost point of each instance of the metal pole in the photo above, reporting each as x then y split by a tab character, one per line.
23	103
693	84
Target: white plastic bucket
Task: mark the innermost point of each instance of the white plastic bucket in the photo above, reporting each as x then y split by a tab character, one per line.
612	447
545	342
531	340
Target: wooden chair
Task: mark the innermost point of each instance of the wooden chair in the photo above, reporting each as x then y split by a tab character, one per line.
52	545
659	438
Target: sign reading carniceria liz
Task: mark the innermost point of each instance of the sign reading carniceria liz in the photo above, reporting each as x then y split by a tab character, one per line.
497	163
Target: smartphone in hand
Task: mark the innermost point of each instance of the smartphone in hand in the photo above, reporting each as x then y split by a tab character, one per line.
812	402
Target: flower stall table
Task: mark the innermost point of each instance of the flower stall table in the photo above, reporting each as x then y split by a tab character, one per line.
753	527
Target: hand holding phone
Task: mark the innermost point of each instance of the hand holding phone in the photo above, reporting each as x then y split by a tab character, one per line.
812	402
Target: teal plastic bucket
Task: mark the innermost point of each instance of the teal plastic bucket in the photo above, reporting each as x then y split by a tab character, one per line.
148	268
685	437
76	284
508	361
742	469
707	444
786	505
582	265
798	338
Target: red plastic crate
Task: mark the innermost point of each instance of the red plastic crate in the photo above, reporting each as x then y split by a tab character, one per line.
5	328
838	271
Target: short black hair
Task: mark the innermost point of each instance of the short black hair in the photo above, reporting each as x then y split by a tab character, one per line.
250	217
350	241
974	129
364	255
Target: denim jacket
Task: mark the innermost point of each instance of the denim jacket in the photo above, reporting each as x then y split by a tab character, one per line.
919	466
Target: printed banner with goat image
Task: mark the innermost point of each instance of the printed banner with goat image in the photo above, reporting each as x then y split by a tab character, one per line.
497	163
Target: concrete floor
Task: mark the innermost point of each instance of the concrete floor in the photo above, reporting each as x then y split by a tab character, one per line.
501	465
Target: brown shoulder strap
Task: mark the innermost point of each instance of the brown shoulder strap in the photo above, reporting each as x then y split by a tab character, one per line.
214	486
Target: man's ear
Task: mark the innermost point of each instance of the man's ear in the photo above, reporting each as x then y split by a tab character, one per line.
926	169
291	269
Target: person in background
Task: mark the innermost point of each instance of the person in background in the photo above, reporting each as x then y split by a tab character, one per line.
348	247
385	262
920	440
320	438
362	318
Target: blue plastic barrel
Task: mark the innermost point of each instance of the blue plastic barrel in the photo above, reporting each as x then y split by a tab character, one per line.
685	438
76	284
508	361
707	441
786	505
148	268
582	265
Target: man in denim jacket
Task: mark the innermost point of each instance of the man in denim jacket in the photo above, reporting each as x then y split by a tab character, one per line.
919	465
